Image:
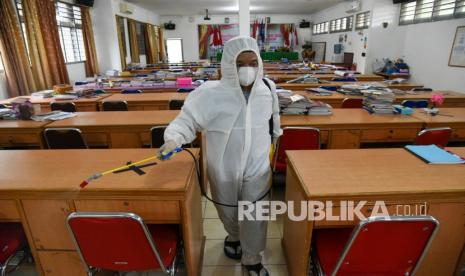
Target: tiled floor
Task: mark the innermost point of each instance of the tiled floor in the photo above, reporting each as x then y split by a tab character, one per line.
215	262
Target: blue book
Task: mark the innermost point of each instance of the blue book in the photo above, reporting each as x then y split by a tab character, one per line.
433	154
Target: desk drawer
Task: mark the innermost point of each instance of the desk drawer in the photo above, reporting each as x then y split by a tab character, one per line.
8	210
385	135
150	211
458	134
12	139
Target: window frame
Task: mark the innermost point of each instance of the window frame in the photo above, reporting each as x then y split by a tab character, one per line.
77	45
323	25
338	23
436	7
365	22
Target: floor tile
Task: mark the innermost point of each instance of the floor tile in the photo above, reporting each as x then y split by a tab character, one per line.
223	271
213	229
273	253
210	211
277	270
214	256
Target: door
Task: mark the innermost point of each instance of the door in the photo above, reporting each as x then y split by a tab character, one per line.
174	50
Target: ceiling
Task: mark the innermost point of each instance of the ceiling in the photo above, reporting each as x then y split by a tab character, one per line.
197	7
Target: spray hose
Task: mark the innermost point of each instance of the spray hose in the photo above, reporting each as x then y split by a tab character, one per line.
164	157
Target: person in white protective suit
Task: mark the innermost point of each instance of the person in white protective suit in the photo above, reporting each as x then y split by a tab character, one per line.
234	113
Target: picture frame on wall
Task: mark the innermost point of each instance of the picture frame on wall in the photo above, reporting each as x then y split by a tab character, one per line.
457	53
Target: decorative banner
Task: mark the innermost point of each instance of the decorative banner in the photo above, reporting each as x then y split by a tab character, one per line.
270	37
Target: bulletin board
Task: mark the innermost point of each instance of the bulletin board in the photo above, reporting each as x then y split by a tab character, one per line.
320	51
457	54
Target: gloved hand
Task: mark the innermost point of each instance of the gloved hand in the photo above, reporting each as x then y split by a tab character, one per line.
167	147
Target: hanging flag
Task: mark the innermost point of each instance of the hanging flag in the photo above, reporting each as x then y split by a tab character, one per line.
296	36
254	28
220	38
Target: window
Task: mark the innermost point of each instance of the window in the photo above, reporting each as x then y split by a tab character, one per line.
19	10
362	20
321	28
174	50
70	31
430	10
343	24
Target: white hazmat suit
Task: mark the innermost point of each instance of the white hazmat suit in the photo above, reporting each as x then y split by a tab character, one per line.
237	142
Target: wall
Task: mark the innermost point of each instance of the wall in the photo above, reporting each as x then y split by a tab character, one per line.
425	47
354	43
104	24
189	33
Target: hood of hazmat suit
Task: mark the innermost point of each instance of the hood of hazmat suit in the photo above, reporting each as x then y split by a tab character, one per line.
237	132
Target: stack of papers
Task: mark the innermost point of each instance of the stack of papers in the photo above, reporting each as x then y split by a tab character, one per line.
42	94
378	101
7	113
352	89
319	108
304	79
53	116
396	81
343	73
320	91
432	154
296	104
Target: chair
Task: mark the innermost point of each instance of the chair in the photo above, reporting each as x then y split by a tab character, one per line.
122	242
131	91
176	104
64	106
415	104
12	241
422	89
141	75
64	138
377	246
185	90
115	106
434	136
294	138
80	82
157	133
352	103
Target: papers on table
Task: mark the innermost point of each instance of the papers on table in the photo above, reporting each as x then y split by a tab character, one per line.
53	116
7	113
378	101
320	91
42	94
432	154
319	108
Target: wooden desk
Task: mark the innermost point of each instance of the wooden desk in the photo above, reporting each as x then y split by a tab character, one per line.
41	188
82	104
393	175
118	129
18	133
393	76
146	101
348	128
285	77
451	99
302	86
454	120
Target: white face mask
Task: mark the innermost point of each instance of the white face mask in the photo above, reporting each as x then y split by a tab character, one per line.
247	75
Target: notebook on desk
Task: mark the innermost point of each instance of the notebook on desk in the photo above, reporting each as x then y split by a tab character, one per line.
432	154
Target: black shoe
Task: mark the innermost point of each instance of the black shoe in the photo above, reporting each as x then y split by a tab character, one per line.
257	270
232	249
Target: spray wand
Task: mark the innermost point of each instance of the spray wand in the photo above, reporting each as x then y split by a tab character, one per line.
162	157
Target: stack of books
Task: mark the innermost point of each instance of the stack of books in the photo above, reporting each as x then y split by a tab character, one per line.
319	91
378	101
297	104
319	108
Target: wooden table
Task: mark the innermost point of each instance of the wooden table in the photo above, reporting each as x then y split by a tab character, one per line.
118	129
285	77
392	175
146	101
349	128
451	99
18	133
393	76
82	104
346	128
453	118
41	188
302	86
